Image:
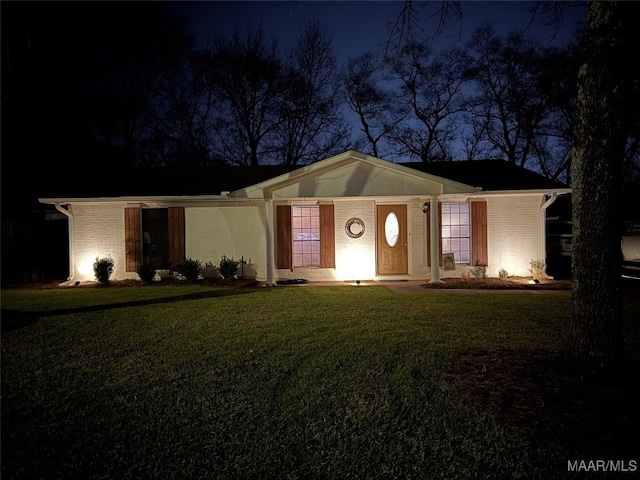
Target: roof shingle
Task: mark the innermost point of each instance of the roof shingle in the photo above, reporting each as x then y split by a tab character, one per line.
490	175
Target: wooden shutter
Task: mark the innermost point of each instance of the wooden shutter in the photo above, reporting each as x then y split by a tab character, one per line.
479	254
176	236
284	241
132	242
327	237
429	234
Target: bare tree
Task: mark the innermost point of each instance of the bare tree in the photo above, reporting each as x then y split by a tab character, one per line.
133	66
558	82
472	138
409	23
246	73
310	124
431	84
510	107
188	127
370	100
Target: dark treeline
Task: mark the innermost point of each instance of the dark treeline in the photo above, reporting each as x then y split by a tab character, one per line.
122	84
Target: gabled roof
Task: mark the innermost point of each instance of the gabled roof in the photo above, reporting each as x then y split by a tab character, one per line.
352	174
489	175
155	181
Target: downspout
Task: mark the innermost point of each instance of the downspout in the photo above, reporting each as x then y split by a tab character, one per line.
543	226
72	258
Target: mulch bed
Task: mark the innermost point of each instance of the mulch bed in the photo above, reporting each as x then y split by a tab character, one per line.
512	283
535	390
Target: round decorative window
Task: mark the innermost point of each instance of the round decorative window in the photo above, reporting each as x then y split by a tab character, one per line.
354	227
391	229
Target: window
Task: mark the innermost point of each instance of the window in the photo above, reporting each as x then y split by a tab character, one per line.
306	236
391	229
455	231
155	237
306	232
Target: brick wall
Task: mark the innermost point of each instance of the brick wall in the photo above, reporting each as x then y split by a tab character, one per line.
514	234
236	231
99	232
514	238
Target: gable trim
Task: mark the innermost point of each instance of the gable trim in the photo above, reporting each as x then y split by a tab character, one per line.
265	189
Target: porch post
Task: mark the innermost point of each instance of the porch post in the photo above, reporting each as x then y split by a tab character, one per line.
434	239
268	204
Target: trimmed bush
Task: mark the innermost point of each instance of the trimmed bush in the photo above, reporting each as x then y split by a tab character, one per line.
479	271
103	268
190	269
228	268
146	272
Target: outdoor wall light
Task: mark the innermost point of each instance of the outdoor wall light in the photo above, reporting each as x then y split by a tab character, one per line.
425	207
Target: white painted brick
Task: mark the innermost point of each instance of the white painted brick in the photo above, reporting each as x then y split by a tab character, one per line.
514	238
99	232
235	231
514	234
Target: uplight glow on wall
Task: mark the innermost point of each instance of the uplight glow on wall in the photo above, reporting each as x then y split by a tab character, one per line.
356	262
84	266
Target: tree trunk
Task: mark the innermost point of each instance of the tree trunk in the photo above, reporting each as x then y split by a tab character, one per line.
600	131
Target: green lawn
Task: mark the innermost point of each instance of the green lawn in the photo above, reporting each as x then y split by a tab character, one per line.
289	382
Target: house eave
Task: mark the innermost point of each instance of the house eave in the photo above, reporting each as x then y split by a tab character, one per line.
520	193
203	199
137	199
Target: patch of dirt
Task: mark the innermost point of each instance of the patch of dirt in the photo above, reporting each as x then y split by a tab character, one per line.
512	283
535	390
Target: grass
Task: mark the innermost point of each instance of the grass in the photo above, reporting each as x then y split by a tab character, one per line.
295	382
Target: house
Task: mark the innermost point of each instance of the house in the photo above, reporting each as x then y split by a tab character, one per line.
349	217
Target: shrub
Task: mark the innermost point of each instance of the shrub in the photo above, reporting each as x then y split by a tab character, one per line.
466	275
190	269
537	269
103	268
228	267
146	272
503	274
479	271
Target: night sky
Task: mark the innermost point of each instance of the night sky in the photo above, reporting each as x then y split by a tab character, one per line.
45	62
358	26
